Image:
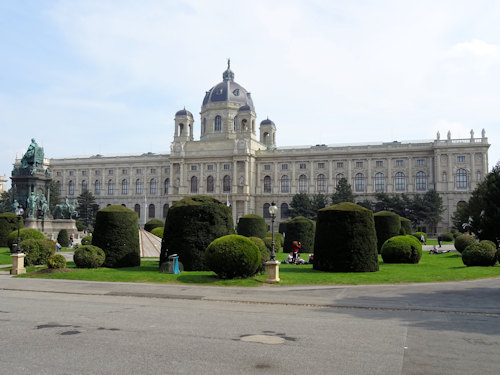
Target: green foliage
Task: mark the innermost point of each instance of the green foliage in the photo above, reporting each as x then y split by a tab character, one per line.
300	229
268	242
252	225
6	199
89	256
447	237
80	227
233	256
282	227
63	238
192	224
87	208
387	225
158	232
56	261
366	203
8	224
489	243
116	232
153	223
279	239
479	254
24	234
55	198
87	240
265	253
301	206
37	251
418	235
343	192
463	241
406	225
402	249
345	239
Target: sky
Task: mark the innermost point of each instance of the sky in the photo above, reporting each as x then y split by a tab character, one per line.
86	77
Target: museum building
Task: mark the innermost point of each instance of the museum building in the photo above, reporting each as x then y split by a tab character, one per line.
239	163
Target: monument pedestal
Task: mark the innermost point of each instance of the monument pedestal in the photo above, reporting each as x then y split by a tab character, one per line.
51	226
273	271
17	264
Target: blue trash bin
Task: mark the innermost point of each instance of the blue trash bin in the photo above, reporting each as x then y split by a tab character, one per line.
173	261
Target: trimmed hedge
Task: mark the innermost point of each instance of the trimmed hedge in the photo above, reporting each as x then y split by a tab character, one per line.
24	234
252	225
299	229
463	241
233	256
116	232
406	225
265	253
56	261
418	235
87	240
192	224
63	238
479	254
447	237
158	232
345	239
268	242
402	249
89	256
489	243
153	223
279	239
8	224
37	251
387	225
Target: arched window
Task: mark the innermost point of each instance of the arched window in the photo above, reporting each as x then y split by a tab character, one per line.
137	209
181	129
71	188
302	183
244	127
111	187
124	187
97	187
151	210
84	186
285	184
226	184
59	188
321	183
138	186
359	182
379	182
461	179
420	181
444	177
265	211
400	182
166	185
210	184
218	123
461	204
267	184
194	184
284	211
338	177
165	210
152	186
204	125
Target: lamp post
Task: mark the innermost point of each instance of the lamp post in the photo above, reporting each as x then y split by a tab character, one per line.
273	265
18	256
19	213
273	209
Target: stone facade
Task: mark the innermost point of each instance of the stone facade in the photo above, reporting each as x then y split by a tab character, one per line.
3	184
235	163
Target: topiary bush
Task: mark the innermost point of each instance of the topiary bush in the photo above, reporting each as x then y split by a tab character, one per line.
282	227
447	237
24	234
463	241
479	254
56	261
158	232
265	253
300	229
418	235
387	225
50	245
63	238
8	224
233	256
405	225
252	225
116	232
279	239
192	224
268	242
489	243
37	251
402	249
345	239
153	223
87	240
89	256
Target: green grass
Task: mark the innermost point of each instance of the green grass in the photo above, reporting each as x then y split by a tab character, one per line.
432	268
5	257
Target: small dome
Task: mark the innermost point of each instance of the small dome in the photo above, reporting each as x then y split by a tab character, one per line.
184	112
267	122
245	107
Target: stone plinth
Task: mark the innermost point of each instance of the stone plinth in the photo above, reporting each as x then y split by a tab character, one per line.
17	264
273	271
51	227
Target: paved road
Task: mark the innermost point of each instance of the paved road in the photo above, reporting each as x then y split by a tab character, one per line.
77	327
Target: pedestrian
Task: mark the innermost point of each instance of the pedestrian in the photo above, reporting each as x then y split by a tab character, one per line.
58	246
422	238
439	240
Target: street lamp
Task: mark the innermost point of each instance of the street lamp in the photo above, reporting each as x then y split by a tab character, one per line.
19	213
273	210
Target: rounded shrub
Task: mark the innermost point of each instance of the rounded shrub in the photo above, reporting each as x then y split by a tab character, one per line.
300	229
24	234
447	237
158	232
268	242
192	224
56	261
37	251
387	225
87	240
402	249
345	239
479	254
282	227
89	256
405	225
153	223
265	253
8	224
116	232
252	225
279	239
50	246
63	238
418	235
489	243
463	241
233	256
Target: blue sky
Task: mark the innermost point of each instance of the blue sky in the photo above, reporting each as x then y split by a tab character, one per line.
84	77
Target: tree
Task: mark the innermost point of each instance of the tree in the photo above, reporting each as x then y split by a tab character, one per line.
301	206
6	200
87	208
343	192
318	201
55	197
431	210
366	203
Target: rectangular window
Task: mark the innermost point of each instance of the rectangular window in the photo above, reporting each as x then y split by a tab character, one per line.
302	166
379	163
71	173
227	167
58	173
284	166
84	173
461	159
194	167
420	162
210	167
124	171
98	172
359	164
399	163
321	165
167	170
138	171
267	167
110	171
340	164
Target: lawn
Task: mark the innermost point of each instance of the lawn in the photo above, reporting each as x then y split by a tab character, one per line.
5	257
432	268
